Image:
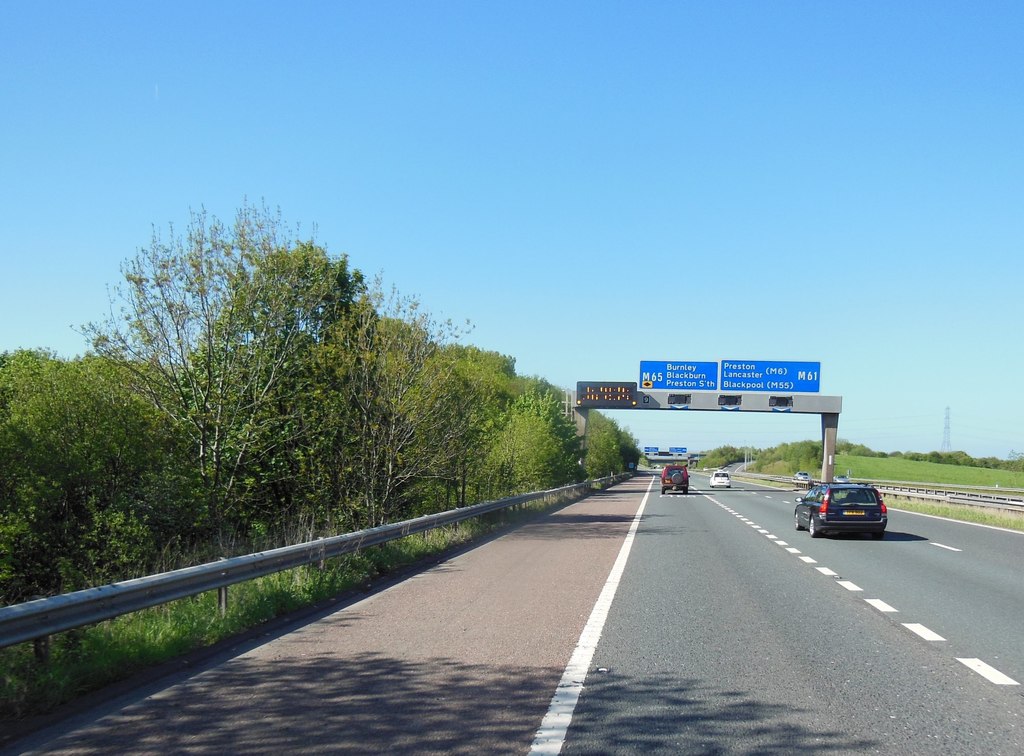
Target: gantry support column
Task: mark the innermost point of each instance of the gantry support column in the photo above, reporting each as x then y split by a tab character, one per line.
829	432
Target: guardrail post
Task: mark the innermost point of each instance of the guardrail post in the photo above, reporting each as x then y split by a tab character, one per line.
41	645
41	648
222	597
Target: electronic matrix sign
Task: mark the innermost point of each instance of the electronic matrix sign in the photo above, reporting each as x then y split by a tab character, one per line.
606	394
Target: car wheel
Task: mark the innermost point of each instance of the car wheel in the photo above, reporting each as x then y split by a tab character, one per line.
812	528
796	522
663	491
686	490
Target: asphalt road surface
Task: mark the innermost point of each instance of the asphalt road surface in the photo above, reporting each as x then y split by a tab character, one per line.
705	625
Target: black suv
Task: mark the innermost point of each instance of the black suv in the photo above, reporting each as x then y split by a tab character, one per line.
841	508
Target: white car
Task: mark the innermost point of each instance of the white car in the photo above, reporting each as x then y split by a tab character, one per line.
721	479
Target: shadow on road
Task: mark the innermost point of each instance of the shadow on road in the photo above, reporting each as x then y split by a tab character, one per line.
376	704
661	714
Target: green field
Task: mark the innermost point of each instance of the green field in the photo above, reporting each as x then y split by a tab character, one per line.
898	469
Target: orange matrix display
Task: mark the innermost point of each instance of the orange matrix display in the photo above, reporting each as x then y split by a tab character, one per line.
607	394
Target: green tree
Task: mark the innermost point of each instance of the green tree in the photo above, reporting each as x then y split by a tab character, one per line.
537	447
400	385
84	494
297	298
722	456
214	329
610	449
486	387
786	459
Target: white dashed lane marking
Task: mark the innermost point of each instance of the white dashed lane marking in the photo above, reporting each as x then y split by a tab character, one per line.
977	665
989	673
924	632
880	605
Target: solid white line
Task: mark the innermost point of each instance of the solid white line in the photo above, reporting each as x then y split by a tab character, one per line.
989	673
942	546
924	632
880	605
849	585
553	727
959	522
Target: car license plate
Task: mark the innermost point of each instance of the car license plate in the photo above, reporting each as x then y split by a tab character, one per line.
854	512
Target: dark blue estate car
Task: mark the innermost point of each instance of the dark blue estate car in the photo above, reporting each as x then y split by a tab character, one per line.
841	508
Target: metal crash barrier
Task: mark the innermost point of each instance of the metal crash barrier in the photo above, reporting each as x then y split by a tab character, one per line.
38	619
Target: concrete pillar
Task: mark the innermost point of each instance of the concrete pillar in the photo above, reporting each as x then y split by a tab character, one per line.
829	432
581	422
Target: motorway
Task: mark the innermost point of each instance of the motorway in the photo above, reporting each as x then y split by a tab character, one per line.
628	622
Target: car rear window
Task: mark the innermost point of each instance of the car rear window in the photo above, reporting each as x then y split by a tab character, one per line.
854	496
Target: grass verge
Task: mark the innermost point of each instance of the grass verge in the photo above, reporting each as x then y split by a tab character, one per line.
965	513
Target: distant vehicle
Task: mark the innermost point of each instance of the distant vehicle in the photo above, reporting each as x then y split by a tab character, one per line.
802	477
675	478
841	508
721	479
841	479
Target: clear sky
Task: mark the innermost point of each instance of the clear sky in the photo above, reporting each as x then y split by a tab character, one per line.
590	184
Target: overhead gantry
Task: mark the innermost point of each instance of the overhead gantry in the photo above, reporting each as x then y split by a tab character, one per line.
626	396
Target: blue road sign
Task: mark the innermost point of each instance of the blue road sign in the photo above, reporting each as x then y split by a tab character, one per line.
692	376
763	375
677	449
651	450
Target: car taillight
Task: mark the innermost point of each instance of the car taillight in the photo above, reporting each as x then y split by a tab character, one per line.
881	503
824	503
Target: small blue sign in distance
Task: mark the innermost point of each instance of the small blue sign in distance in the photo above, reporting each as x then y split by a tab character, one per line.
764	375
683	375
677	449
651	449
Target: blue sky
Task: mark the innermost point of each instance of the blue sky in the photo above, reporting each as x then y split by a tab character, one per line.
590	184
